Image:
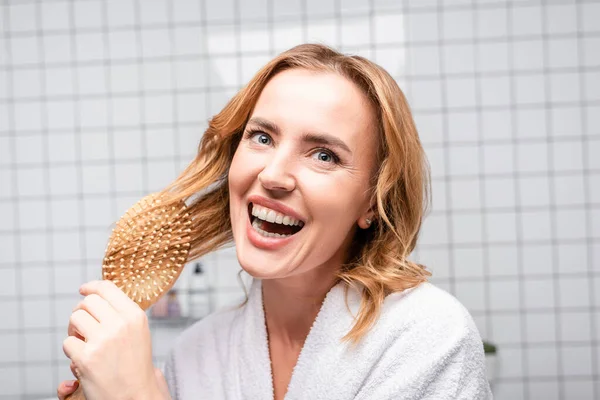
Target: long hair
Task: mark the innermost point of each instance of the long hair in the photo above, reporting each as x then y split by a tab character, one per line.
378	263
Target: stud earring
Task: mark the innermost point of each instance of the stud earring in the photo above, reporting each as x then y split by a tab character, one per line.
368	221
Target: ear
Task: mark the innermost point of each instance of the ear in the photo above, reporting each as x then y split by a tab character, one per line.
366	220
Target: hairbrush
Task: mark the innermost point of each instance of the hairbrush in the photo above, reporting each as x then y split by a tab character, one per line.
146	252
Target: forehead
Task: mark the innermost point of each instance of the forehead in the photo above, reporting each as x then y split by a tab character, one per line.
300	100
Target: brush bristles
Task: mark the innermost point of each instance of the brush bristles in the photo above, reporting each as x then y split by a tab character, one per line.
147	250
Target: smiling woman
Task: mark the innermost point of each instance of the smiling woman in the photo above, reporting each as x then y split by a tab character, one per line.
315	171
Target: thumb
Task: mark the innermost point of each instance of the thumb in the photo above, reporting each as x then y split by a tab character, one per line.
162	384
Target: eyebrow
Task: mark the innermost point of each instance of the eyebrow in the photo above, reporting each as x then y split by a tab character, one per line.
319	138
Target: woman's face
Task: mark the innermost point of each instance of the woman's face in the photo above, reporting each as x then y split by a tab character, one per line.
299	178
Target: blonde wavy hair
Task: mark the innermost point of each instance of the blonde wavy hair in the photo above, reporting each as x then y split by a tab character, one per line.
378	264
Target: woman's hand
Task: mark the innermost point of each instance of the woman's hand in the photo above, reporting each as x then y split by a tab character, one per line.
68	387
110	347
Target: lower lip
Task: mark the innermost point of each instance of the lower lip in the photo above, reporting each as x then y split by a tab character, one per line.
266	243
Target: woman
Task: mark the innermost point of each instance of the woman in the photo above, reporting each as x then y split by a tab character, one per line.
316	172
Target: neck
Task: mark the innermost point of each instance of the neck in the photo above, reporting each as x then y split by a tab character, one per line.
292	304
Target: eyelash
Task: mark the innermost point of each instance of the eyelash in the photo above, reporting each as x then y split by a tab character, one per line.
251	132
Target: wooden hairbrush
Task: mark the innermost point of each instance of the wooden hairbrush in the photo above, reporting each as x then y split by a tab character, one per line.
146	252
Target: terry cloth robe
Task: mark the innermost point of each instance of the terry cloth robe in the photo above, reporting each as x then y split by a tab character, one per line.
425	345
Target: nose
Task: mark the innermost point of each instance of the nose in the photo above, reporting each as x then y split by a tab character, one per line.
277	174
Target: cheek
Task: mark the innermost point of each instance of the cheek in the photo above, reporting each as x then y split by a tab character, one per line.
334	199
242	172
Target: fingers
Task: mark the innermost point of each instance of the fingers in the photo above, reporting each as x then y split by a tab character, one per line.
162	384
97	307
112	294
66	388
73	348
82	323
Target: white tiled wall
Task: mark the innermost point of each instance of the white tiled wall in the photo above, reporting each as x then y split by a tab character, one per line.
95	113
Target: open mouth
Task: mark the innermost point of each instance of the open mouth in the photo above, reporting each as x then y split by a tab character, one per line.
271	223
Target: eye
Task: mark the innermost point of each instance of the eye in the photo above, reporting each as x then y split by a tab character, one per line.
259	138
325	156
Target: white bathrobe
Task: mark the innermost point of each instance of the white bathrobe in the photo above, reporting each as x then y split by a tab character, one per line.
425	345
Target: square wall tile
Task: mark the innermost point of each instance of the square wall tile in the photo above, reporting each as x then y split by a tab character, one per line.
575	326
510	363
126	111
540	327
567	156
576	360
66	246
61	147
506	329
564	87
465	194
491	22
499	192
542	362
156	43
530	123
458	58
457	24
159	109
389	28
422	27
539	294
462	126
33	247
37	346
10	346
498	159
32	214
67	279
467	228
468	262
573	258
502	260
573	292
569	190
8	249
547	390
8	377
578	388
538	259
36	313
8	281
571	224
561	18
501	227
58	48
464	160
65	213
534	191
39	379
154	12
88	14
471	295
129	177
527	20
504	295
35	281
437	261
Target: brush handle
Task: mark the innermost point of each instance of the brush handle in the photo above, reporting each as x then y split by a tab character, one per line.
77	394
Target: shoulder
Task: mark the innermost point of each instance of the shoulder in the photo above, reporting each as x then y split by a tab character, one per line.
431	313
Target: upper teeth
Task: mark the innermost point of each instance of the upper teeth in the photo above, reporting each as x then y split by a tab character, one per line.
266	214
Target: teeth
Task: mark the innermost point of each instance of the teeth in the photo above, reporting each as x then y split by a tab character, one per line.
256	225
272	216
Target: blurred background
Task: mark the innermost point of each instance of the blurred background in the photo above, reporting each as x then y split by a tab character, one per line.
104	101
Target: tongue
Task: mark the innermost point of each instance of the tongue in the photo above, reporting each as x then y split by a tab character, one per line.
279	228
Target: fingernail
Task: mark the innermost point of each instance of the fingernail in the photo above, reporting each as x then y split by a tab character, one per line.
71	384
